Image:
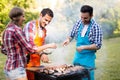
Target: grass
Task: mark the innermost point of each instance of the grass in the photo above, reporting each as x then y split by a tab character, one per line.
107	61
2	62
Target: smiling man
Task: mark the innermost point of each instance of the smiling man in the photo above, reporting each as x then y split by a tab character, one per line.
88	37
35	33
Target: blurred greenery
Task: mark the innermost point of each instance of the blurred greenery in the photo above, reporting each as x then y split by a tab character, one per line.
108	15
108	65
2	62
6	5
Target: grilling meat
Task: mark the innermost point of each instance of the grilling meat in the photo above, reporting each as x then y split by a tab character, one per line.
60	70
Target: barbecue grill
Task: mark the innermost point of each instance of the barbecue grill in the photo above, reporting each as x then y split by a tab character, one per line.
61	72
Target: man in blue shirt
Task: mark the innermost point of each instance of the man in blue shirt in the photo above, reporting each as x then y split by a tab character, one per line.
88	37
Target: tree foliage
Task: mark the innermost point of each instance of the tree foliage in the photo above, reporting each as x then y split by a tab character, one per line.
6	5
108	15
110	21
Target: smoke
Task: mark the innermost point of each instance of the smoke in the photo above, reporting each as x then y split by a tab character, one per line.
59	55
57	30
54	34
62	54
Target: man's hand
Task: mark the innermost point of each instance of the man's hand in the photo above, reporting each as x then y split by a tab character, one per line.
66	42
52	45
80	48
86	47
43	47
44	58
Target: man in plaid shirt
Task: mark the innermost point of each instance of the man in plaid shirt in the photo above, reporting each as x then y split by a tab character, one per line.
35	32
88	37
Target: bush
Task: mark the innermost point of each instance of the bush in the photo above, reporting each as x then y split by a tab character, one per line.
4	19
108	28
31	16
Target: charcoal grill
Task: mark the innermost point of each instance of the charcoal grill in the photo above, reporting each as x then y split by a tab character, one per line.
72	75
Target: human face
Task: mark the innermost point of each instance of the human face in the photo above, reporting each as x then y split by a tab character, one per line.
45	20
85	17
21	20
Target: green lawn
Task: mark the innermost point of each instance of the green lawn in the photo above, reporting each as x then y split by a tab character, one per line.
2	62
107	61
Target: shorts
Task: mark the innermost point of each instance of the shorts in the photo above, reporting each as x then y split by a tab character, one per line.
19	72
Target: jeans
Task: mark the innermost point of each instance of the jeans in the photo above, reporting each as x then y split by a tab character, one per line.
19	72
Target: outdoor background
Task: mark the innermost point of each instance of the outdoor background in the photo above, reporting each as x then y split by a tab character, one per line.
66	12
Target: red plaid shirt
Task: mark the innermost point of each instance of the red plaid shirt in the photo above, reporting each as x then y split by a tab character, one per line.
30	32
15	46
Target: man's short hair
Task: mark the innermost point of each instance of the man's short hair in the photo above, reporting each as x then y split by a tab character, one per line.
87	8
47	11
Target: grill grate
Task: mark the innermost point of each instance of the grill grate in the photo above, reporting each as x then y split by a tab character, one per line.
71	75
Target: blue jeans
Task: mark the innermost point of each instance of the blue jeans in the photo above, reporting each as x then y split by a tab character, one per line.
19	72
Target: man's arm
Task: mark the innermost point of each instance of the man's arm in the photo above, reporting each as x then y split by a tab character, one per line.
73	32
67	41
96	43
29	34
87	47
32	49
97	36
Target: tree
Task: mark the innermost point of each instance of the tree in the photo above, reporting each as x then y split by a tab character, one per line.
110	21
6	5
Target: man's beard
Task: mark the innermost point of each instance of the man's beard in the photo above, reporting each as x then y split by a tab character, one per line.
86	22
